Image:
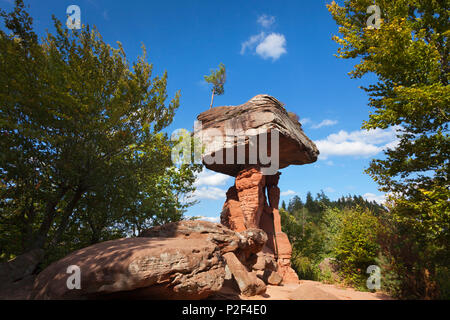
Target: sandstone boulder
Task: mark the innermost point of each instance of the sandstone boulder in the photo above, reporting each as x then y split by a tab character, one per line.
249	284
273	278
269	277
17	275
182	260
262	114
20	267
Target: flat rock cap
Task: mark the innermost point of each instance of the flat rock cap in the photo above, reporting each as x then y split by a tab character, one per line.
261	115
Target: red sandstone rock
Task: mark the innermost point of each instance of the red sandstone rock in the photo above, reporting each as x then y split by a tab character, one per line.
249	284
253	201
273	278
250	190
261	115
284	258
137	268
267	224
181	260
232	216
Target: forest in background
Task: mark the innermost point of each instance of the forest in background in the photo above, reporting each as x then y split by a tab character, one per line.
335	241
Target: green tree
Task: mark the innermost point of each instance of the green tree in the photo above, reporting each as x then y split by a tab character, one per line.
82	155
409	55
295	204
355	244
319	232
217	78
315	207
331	224
306	240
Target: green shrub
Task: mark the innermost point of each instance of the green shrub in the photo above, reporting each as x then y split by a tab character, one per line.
356	245
305	268
326	276
443	281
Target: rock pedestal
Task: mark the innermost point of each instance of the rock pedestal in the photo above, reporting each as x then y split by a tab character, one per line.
253	203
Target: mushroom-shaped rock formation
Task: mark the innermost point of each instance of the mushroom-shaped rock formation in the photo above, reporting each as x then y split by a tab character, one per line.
251	142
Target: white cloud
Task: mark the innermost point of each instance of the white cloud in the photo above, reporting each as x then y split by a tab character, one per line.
324	123
392	145
272	47
373	197
209	193
360	143
347	148
251	42
267	46
210	178
266	21
207	185
210	219
329	190
375	136
287	193
305	121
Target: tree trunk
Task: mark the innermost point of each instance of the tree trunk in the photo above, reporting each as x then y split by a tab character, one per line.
303	224
212	98
66	215
40	238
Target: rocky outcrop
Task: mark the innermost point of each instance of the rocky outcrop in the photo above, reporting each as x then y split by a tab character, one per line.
237	126
259	196
250	191
17	275
249	284
245	141
183	260
20	267
232	216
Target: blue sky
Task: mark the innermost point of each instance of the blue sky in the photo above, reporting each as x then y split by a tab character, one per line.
281	48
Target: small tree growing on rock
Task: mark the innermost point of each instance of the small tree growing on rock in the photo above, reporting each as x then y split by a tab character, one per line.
217	78
294	116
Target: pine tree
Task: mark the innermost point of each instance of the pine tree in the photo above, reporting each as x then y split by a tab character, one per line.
217	78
